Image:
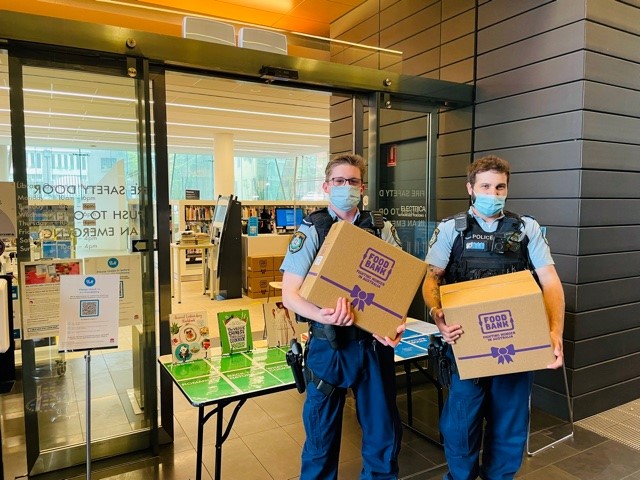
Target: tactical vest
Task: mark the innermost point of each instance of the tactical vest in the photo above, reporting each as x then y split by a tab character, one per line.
478	254
322	220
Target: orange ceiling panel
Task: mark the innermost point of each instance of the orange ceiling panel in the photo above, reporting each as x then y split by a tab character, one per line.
165	16
162	24
323	11
215	8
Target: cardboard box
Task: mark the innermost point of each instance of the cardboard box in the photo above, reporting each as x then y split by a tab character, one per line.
261	264
505	325
259	273
258	287
277	262
380	280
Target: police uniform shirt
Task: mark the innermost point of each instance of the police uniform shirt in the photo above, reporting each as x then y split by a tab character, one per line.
443	237
304	245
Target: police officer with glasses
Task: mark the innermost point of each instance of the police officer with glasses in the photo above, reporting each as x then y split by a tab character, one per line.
339	355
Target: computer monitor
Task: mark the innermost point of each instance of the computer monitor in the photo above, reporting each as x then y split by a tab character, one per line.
288	217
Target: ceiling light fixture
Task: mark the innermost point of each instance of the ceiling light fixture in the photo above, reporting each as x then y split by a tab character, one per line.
81	95
253	142
237	129
247	112
80	130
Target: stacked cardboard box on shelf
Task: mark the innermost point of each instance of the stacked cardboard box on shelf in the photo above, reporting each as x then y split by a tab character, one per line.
260	271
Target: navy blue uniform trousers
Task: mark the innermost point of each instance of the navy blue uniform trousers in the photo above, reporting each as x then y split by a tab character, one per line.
368	368
503	401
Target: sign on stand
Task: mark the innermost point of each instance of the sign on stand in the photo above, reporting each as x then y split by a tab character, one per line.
89	311
89	317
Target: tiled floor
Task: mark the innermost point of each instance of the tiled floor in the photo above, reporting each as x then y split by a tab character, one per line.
266	438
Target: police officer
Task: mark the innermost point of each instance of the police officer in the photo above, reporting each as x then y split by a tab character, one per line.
487	240
339	355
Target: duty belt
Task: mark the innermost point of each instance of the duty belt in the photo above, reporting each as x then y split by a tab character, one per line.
342	334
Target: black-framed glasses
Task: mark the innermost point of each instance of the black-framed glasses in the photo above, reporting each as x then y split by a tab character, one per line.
340	181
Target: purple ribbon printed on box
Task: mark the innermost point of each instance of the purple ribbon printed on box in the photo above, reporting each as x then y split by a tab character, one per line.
504	354
360	298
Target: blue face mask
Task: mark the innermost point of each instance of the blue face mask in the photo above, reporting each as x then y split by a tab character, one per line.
489	205
345	197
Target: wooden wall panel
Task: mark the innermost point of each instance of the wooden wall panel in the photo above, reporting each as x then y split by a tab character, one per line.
610	266
497	11
562	240
400	24
560	184
529	24
601	322
603	212
447	208
453	166
610	184
554	71
558	99
615	14
557	95
596	350
341	127
605	294
423	41
460	72
619	238
553	128
611	128
611	156
455	120
451	8
564	40
612	71
549	212
612	42
457	50
454	143
459	26
426	64
612	99
540	157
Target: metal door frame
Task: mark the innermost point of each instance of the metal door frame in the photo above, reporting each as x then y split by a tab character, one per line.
19	56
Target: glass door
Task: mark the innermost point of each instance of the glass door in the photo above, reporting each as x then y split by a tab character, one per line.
401	144
81	157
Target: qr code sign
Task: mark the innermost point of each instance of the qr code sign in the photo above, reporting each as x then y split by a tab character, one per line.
89	308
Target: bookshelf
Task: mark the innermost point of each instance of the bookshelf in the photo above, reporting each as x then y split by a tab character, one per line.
194	216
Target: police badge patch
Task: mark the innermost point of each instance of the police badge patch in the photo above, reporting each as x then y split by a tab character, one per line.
297	241
434	237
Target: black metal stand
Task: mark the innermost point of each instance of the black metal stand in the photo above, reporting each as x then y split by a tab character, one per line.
409	385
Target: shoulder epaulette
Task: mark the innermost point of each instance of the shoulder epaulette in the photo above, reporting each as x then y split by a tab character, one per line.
461	219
